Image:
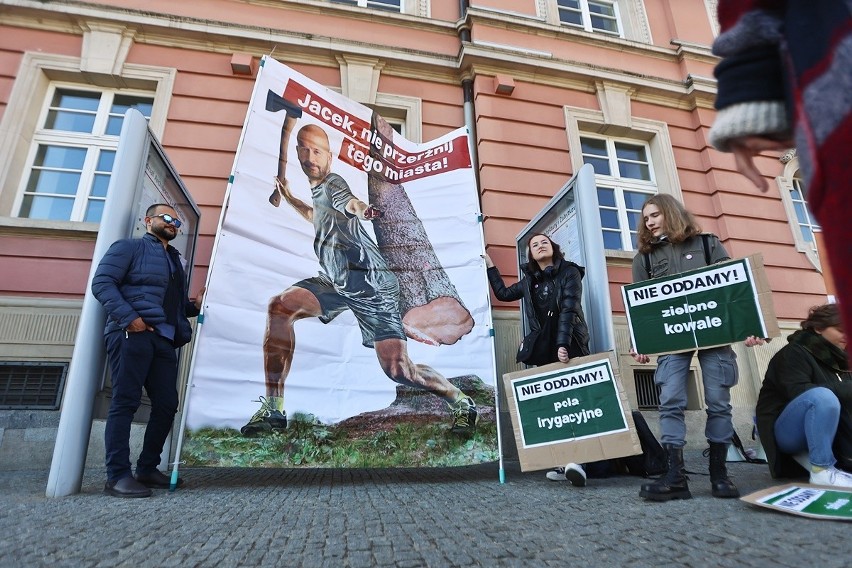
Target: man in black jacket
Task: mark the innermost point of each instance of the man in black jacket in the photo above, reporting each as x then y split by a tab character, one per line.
142	286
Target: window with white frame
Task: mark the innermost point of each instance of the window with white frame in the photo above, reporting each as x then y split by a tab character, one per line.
794	196
804	218
398	125
591	15
388	5
624	177
402	113
71	158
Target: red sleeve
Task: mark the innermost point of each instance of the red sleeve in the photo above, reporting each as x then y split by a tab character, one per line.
730	11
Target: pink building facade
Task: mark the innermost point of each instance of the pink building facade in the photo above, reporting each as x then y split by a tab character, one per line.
544	86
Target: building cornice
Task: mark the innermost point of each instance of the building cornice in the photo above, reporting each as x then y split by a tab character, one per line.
225	37
694	52
69	16
536	26
543	70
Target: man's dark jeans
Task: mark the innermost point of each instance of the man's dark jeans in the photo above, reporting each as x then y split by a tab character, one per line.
139	360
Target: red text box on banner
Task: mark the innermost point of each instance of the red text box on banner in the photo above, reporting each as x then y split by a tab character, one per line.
403	166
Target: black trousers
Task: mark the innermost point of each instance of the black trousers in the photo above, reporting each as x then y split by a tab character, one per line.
139	360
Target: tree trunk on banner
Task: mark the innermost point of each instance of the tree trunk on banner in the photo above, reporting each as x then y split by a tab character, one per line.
432	311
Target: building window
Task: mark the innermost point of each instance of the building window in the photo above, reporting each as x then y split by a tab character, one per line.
388	5
402	113
794	196
804	218
590	15
625	179
72	154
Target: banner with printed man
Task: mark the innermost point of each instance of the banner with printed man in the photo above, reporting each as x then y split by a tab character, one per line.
341	240
715	305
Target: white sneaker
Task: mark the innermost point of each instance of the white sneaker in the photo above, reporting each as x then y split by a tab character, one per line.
557	474
831	476
575	474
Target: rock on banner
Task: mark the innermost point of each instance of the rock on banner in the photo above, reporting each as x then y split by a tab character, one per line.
408	213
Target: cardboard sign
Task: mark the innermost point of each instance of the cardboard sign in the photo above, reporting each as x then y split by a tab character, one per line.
805	500
570	413
707	307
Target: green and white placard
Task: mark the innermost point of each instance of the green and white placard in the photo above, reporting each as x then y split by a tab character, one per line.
806	500
566	404
715	305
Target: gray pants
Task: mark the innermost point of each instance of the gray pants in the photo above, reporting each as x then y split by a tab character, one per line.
720	372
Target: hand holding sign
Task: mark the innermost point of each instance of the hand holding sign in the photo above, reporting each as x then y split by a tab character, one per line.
707	307
639	357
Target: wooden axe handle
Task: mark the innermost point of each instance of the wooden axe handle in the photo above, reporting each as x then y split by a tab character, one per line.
286	130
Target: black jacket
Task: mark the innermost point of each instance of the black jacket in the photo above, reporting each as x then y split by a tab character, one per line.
572	324
806	362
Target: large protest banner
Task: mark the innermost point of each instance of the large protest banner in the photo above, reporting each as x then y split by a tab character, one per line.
346	254
715	305
574	412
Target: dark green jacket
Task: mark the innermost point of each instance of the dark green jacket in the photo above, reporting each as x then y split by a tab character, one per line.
666	259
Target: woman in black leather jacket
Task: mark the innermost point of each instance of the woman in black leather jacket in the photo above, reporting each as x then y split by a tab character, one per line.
551	288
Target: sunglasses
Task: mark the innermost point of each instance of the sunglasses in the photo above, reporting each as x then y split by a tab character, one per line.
170	220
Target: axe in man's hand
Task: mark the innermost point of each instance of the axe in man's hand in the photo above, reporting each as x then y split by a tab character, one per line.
275	103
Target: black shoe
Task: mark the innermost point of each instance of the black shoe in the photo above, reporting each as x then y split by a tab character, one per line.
265	421
720	484
156	479
665	490
724	488
126	487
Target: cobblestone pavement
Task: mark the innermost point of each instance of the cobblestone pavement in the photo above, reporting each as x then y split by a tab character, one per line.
405	517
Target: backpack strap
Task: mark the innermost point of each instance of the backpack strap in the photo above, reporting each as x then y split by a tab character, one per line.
647	258
705	240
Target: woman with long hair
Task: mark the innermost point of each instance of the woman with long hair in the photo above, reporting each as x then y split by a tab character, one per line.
670	242
551	288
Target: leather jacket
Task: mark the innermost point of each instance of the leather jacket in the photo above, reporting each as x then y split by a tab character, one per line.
569	288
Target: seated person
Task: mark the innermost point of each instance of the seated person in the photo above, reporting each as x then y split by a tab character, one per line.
808	386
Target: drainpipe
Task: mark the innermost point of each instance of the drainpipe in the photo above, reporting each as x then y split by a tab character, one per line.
469	109
464	34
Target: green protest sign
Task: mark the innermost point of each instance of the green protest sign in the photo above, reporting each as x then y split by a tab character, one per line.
710	306
570	403
808	501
